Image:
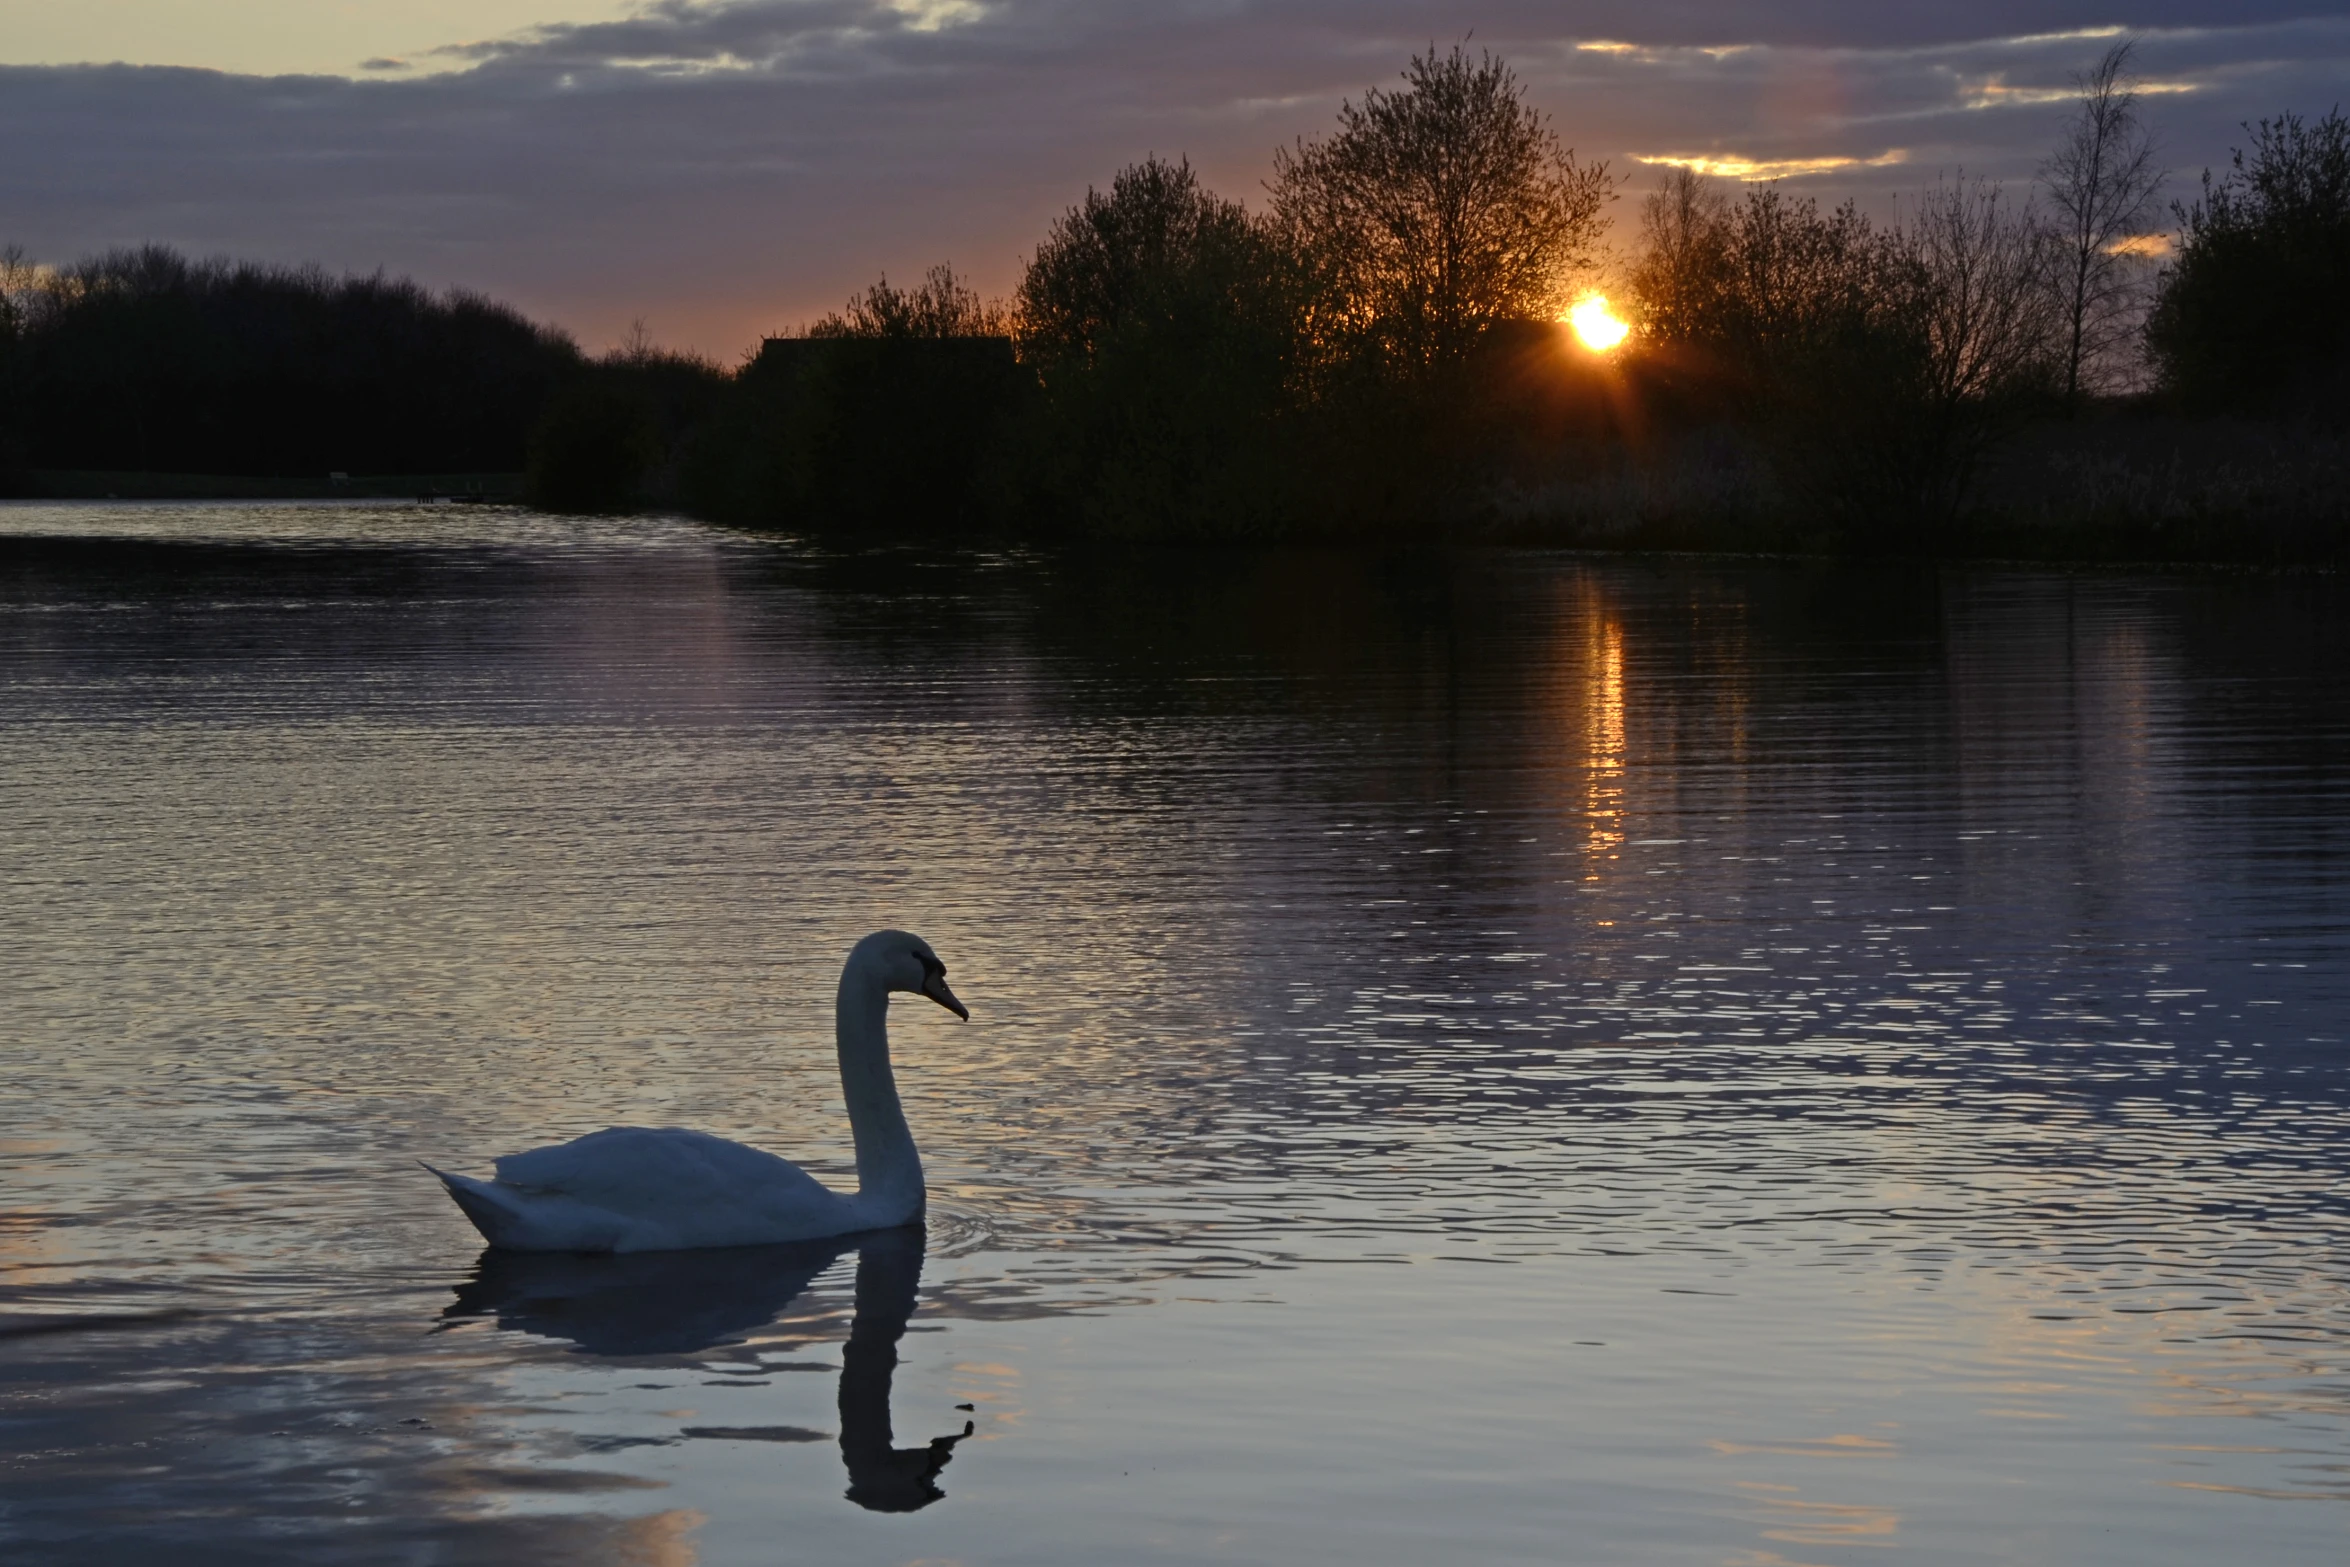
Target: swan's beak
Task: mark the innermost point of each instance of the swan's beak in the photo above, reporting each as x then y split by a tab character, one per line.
936	989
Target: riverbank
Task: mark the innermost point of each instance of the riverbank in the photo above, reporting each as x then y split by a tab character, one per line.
2157	492
2113	487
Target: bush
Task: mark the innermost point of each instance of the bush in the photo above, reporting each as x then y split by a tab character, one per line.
592	451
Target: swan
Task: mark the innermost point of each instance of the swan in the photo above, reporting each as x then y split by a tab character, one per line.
635	1188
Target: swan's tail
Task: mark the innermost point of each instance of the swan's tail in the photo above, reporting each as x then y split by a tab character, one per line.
492	1211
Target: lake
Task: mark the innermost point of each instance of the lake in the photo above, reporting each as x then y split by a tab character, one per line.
1497	1057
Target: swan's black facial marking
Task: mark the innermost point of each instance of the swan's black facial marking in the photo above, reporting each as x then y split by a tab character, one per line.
934	985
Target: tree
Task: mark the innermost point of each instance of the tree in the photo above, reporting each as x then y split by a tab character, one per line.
144	359
1439	210
2254	312
1162	320
1877	364
19	285
20	293
591	451
891	413
942	305
1677	283
1973	297
1157	243
2101	182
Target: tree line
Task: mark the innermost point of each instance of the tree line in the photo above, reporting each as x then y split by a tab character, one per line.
1374	348
143	360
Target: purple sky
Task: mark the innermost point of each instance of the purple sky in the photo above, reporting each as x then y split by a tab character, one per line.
723	170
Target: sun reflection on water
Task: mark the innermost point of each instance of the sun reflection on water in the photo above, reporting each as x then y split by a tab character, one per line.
1604	790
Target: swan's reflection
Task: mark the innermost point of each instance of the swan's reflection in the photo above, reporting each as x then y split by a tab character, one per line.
678	1302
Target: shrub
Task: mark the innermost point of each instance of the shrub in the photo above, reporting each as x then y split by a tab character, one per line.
592	451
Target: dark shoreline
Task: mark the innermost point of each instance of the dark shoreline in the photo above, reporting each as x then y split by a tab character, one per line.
2033	546
130	485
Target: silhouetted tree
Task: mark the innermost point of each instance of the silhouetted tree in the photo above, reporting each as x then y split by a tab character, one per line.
2254	312
941	306
894	413
2101	182
1971	294
1162	321
1878	364
591	452
614	438
19	294
1436	211
1678	280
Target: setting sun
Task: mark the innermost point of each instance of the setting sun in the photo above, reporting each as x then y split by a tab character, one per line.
1595	325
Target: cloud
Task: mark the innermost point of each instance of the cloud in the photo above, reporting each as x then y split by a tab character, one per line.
719	170
1730	166
1993	92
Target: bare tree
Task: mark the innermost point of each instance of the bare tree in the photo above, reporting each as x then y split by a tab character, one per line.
1685	230
1440	209
941	305
20	288
1987	320
2101	183
1985	324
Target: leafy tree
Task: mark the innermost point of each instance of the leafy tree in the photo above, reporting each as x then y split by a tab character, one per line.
2254	312
2101	182
1434	212
1162	321
1156	244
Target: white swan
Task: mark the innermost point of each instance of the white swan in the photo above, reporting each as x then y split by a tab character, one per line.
634	1188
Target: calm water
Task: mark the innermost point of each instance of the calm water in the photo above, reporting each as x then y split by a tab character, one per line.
1506	1058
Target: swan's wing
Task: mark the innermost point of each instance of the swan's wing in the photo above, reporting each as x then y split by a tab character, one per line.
661	1172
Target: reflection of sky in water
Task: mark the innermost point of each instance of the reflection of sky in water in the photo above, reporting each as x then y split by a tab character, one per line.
1692	1062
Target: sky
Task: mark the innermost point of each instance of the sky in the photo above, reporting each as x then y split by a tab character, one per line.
717	171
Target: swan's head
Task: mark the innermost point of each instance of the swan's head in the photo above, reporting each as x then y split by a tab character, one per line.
905	962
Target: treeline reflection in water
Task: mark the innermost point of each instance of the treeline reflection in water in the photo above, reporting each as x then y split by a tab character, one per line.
1652	1022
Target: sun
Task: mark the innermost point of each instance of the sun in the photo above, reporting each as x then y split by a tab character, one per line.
1596	325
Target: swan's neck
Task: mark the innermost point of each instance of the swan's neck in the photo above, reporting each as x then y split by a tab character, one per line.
889	1172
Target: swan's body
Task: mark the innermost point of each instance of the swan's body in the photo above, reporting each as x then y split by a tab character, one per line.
635	1188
